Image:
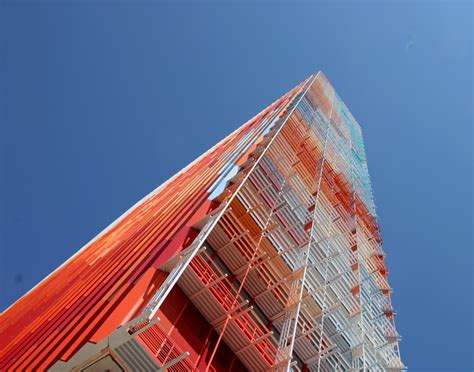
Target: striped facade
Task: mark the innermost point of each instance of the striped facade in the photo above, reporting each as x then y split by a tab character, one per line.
263	254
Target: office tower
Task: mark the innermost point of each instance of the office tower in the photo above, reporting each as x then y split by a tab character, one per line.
263	254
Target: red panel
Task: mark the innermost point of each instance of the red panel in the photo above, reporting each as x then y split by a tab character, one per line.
106	282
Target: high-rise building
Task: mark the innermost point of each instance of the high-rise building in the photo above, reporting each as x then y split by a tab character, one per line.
262	254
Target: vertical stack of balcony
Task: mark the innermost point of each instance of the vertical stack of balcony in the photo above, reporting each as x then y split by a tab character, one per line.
293	275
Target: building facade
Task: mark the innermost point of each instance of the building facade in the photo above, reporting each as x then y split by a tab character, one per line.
262	254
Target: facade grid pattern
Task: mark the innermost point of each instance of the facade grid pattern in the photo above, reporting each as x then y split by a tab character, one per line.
263	254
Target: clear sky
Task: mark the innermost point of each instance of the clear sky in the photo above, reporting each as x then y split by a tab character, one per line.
100	104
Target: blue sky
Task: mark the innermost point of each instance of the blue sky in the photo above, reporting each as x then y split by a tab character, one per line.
100	104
